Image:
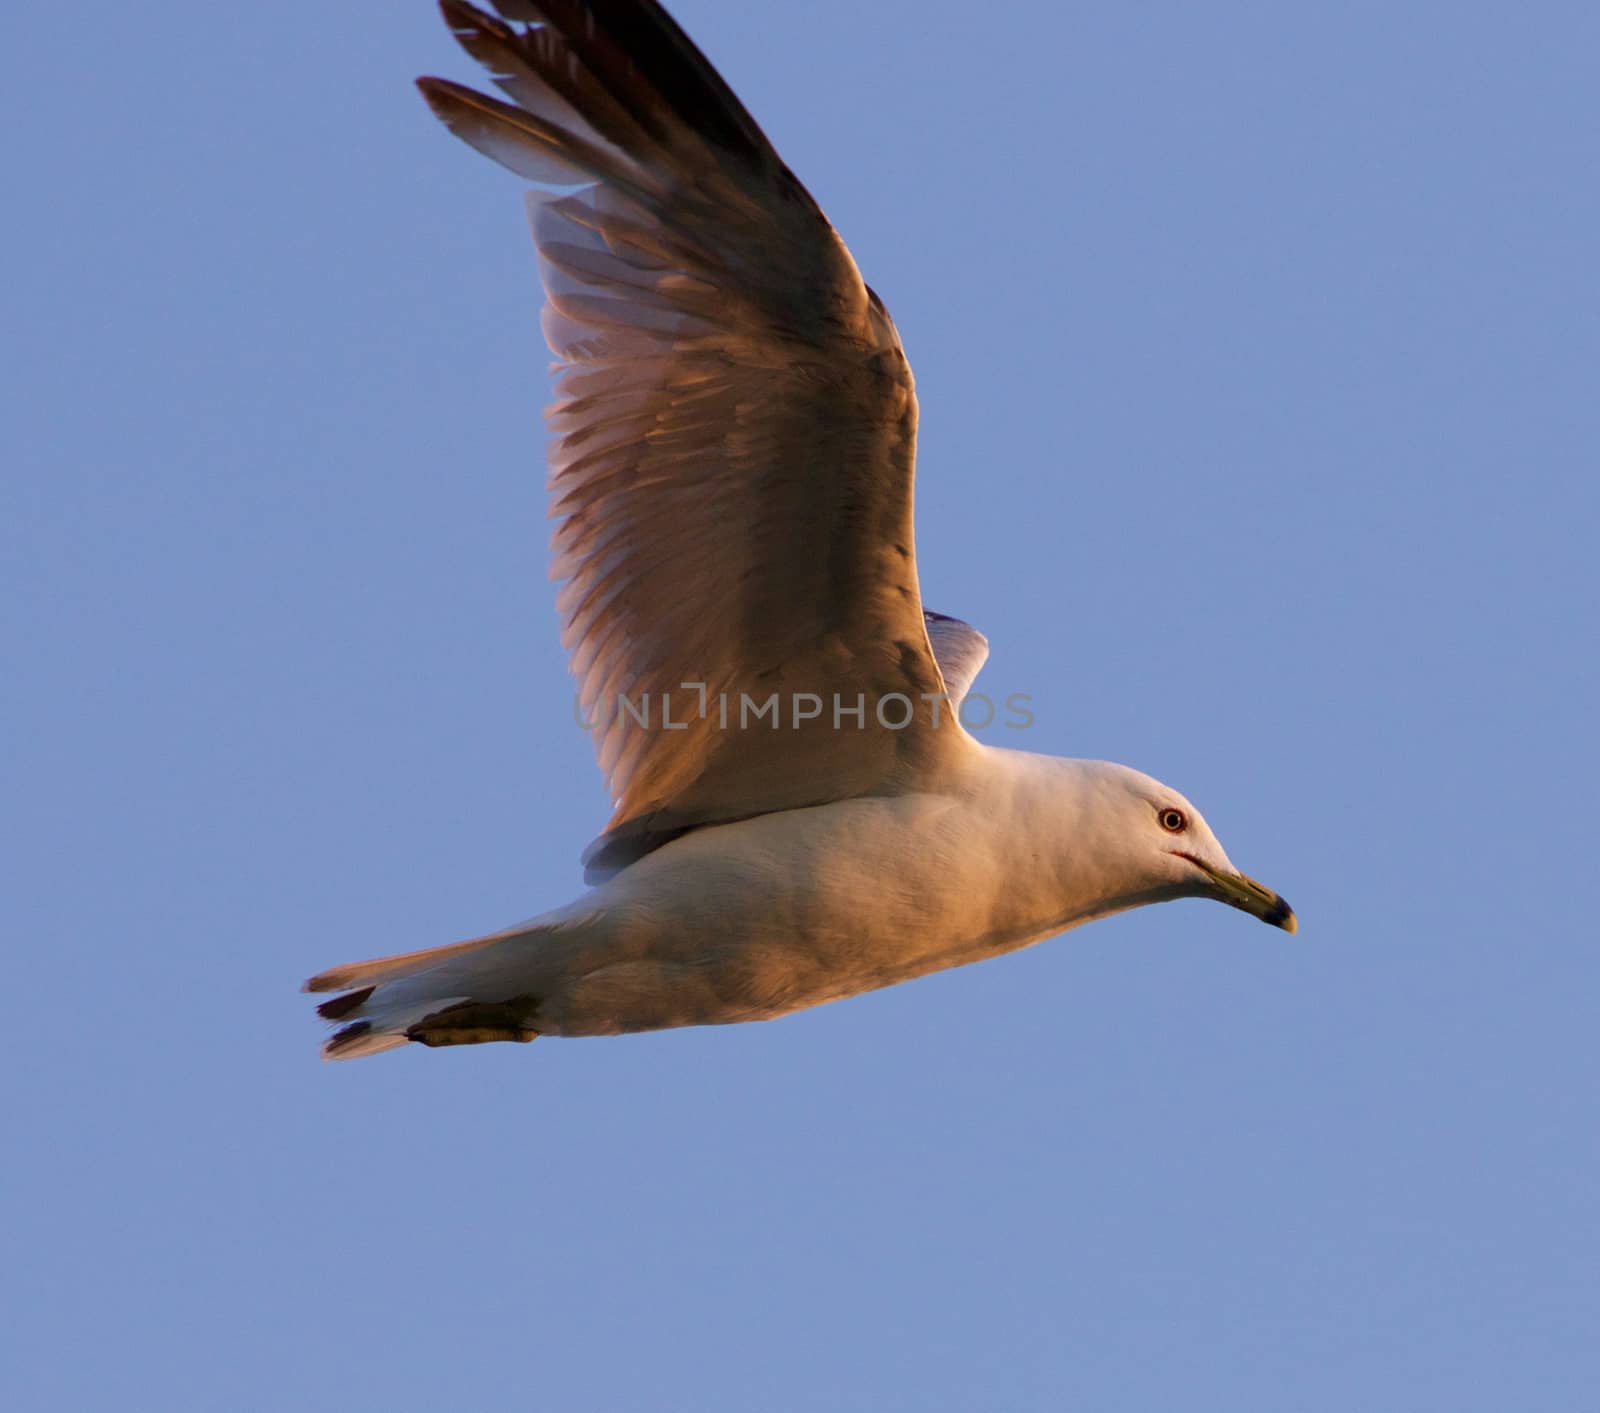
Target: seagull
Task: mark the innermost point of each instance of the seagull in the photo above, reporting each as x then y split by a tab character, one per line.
800	813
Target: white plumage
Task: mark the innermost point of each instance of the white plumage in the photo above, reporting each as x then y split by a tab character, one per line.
731	470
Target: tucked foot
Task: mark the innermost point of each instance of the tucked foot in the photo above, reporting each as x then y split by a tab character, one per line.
476	1023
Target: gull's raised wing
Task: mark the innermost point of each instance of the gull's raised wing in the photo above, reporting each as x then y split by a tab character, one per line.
959	649
733	436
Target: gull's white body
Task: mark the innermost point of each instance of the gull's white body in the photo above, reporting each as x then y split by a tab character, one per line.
731	476
753	920
756	919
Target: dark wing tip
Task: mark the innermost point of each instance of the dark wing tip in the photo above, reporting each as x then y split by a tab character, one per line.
344	1039
341	1006
437	90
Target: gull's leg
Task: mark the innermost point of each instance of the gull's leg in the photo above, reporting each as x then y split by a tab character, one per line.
477	1022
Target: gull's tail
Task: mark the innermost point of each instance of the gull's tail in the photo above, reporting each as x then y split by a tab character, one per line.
463	994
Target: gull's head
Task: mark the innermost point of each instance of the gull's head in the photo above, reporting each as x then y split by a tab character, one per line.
1165	841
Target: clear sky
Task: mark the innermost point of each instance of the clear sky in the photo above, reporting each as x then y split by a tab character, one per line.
1257	347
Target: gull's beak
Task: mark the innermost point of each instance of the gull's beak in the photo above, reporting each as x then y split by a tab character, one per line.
1246	894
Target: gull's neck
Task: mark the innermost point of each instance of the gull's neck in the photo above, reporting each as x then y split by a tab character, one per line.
1062	860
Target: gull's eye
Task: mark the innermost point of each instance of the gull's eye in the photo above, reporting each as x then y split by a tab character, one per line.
1173	821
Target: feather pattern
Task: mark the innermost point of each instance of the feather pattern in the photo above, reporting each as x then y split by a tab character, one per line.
730	477
733	438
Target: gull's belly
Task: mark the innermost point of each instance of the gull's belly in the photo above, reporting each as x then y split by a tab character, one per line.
764	917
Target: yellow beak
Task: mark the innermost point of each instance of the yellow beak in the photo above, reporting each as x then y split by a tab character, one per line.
1246	894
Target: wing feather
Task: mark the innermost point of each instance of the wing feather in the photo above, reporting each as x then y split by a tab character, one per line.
733	437
961	651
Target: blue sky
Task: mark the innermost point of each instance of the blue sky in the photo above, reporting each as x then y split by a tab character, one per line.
1257	351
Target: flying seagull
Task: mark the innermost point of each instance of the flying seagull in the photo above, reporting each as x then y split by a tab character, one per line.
799	813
